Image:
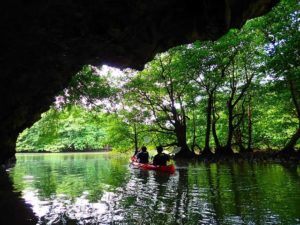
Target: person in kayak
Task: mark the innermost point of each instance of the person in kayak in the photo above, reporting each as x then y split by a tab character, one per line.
160	159
143	155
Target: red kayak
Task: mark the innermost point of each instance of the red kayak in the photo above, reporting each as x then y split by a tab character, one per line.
146	166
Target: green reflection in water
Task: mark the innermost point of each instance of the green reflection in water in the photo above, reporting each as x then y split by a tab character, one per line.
101	189
69	174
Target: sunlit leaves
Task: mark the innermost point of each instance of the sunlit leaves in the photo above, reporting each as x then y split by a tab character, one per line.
73	128
88	87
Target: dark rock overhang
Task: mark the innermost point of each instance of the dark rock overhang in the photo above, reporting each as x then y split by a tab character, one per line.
44	43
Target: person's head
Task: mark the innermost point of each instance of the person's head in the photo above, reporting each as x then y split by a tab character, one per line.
144	149
159	149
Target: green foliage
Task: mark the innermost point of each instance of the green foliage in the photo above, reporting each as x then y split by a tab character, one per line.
87	87
72	128
118	134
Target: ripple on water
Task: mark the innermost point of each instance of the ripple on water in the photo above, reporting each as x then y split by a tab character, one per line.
99	190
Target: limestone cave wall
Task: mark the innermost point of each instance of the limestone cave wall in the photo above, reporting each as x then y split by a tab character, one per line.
45	42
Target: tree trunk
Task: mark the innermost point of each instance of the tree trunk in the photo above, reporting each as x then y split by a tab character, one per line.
214	129
194	133
180	131
136	148
250	130
290	146
206	150
239	139
227	149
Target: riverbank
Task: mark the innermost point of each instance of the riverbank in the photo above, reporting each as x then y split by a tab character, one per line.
65	151
252	157
259	156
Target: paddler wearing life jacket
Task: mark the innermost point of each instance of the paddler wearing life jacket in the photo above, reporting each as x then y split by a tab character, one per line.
143	155
160	159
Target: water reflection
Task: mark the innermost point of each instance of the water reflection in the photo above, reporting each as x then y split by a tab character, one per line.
98	189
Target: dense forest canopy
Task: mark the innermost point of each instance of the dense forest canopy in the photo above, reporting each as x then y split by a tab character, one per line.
240	93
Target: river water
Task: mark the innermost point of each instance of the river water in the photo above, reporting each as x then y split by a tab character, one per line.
99	188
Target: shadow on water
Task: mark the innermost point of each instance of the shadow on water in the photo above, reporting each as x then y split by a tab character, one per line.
293	171
14	210
143	175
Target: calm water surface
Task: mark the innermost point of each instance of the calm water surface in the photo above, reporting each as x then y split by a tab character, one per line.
103	189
